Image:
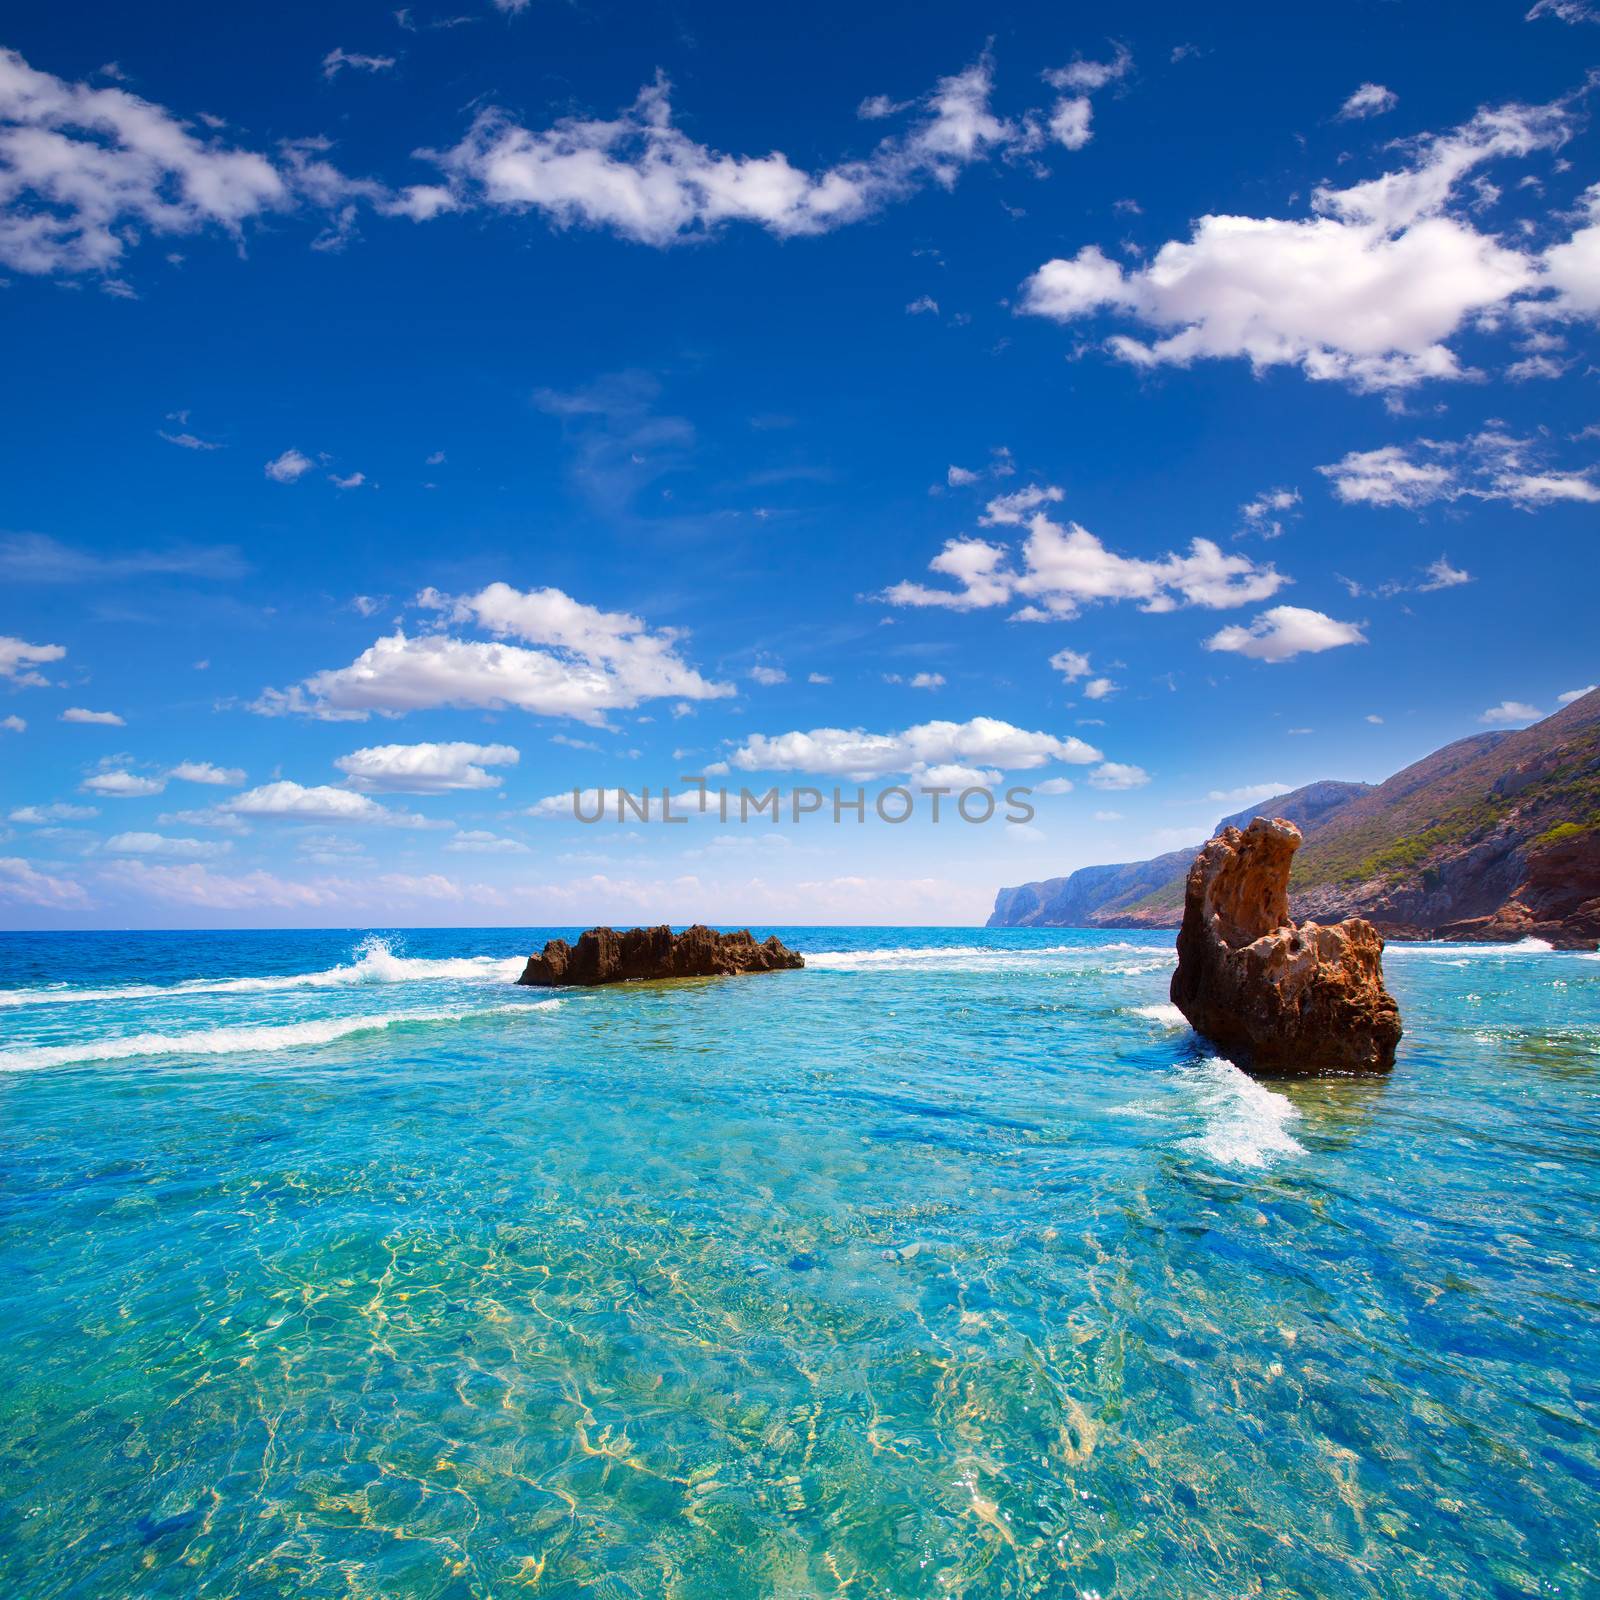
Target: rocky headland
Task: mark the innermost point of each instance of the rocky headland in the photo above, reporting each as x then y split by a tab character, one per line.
1276	997
638	955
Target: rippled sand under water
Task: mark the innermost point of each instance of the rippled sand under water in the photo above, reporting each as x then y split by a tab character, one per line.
951	1266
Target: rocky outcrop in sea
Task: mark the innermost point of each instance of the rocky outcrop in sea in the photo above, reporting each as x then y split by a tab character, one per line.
1276	997
602	955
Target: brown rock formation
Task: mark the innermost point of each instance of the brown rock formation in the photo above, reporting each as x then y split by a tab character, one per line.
602	955
1277	998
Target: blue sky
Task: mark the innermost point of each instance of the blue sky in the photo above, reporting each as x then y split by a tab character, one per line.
632	391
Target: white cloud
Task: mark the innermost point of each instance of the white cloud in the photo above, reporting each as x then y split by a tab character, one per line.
1065	568
18	659
1441	575
1286	631
187	441
1570	695
1098	689
1511	712
1370	100
1247	794
22	882
425	768
354	481
1053	786
1118	775
960	477
768	676
160	844
288	467
1071	664
1374	719
920	680
593	662
13	724
59	811
1108	816
1487	465
1265	513
639	175
1564	11
477	841
207	772
337	59
818	677
315	803
1366	290
122	785
923	306
856	754
1071	121
83	169
107	719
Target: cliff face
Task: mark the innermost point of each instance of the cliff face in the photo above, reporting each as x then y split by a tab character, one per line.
1496	836
1149	893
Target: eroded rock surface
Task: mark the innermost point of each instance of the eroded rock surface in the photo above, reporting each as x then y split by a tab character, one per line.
602	955
1275	997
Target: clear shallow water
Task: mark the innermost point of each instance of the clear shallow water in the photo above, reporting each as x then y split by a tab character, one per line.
953	1265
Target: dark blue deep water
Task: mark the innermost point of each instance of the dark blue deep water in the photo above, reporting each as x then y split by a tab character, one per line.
332	1264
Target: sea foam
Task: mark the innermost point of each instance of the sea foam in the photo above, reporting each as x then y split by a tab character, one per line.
1246	1123
375	962
239	1040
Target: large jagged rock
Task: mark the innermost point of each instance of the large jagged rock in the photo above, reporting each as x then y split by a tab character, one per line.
1275	997
602	955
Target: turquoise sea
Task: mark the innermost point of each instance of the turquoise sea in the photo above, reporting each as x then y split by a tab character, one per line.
332	1264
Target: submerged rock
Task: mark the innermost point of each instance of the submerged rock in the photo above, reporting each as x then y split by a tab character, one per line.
602	955
1275	997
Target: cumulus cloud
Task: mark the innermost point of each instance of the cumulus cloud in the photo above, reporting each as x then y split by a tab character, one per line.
207	772
18	659
1370	100
59	811
160	844
1286	631
589	662
918	680
1365	290
106	719
1071	664
639	175
313	803
86	171
425	768
1488	465
1570	695
768	676
118	785
21	882
1098	689
859	755
13	724
1118	775
1511	713
1066	568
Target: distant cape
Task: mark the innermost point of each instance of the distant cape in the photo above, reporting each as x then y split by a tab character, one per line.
1496	836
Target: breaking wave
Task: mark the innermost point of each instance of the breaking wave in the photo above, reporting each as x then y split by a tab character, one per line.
375	962
1246	1124
979	958
239	1040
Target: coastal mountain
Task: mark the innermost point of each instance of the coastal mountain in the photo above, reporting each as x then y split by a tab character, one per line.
1496	836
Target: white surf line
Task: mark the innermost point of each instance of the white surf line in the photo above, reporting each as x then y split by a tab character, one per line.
240	1040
